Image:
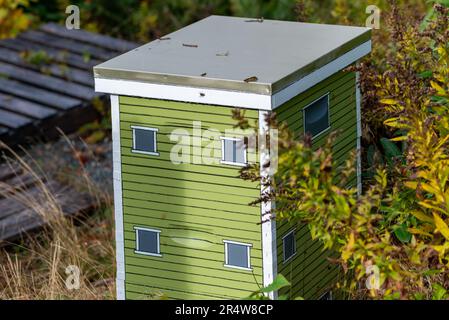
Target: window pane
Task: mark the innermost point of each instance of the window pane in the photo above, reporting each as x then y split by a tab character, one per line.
229	150
148	241
234	151
144	140
237	255
240	151
317	116
289	246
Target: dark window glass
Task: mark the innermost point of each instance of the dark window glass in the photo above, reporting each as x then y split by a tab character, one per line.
237	255
148	241
234	151
289	246
144	140
316	116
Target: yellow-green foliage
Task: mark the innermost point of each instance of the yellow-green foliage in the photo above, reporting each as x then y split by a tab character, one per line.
12	18
399	224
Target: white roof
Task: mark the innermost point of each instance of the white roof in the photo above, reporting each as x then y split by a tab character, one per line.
221	52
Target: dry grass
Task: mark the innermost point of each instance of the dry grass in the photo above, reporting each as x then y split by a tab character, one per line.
36	267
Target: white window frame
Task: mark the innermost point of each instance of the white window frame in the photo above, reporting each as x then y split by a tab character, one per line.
155	130
328	115
245	155
158	232
286	260
248	248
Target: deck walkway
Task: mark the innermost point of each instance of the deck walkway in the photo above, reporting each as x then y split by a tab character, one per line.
46	80
21	191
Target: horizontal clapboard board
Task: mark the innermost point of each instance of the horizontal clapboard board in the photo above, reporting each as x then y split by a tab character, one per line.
24	206
46	80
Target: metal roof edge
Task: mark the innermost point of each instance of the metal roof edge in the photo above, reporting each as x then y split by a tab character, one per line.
233	98
224	84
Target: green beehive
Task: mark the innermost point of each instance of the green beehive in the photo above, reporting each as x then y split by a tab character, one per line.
183	224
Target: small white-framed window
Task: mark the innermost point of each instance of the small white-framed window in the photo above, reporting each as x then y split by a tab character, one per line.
237	255
289	245
145	140
317	116
233	151
148	241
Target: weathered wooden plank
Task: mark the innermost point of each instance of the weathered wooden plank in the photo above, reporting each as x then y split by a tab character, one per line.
25	107
89	37
58	70
18	182
68	121
3	130
10	206
66	44
47	82
70	202
61	56
13	120
63	83
8	170
38	95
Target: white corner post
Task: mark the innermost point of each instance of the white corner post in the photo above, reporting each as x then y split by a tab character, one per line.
269	252
118	207
358	99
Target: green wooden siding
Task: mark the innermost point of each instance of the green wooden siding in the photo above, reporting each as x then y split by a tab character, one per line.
310	271
196	207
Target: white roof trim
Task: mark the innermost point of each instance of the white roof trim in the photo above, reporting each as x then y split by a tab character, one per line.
181	93
227	97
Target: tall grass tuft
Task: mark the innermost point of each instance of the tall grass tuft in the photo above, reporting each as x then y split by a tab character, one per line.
44	264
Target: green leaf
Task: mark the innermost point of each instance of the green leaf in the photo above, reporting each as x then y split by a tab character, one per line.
370	155
391	150
425	74
439	293
432	272
278	283
402	234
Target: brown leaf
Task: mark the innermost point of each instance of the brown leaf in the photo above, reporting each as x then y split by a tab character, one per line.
251	79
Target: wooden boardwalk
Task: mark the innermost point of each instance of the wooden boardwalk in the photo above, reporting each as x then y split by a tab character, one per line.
20	192
46	80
